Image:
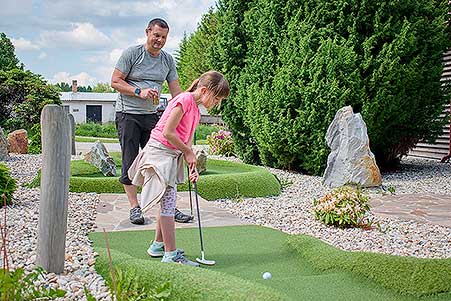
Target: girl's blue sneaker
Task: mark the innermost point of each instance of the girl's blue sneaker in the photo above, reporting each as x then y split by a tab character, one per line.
180	259
157	250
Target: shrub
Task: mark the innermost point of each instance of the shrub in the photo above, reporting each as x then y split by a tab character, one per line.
34	135
91	129
221	143
343	206
203	130
7	185
17	285
293	64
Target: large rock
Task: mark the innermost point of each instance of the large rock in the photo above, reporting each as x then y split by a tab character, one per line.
350	160
99	157
4	155
201	158
18	142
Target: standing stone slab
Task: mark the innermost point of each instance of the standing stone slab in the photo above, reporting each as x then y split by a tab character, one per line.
54	188
72	133
4	155
99	157
350	159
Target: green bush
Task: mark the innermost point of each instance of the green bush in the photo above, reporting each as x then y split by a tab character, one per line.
293	64
34	135
91	129
7	185
203	130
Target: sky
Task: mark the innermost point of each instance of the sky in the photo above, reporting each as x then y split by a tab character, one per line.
82	39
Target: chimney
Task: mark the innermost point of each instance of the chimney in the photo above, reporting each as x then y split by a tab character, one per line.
74	86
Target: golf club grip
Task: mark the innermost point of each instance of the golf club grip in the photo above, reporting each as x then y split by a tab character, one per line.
198	217
189	189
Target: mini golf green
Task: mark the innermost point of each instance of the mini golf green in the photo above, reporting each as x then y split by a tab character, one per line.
247	252
223	179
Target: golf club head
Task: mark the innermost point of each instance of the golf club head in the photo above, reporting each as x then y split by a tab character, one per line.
205	261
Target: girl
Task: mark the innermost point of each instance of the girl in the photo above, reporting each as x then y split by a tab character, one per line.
159	167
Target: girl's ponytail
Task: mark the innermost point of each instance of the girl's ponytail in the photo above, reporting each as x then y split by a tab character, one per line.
193	86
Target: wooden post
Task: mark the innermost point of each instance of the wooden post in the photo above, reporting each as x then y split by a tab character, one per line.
55	174
72	133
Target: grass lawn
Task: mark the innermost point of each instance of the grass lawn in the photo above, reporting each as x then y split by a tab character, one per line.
247	252
94	139
223	179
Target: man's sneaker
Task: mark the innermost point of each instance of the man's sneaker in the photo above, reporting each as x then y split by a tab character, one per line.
181	217
136	216
180	259
155	251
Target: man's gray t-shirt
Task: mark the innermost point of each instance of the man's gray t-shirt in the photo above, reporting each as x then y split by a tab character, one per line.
144	71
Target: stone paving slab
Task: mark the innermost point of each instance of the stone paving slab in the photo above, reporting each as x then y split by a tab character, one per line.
422	207
113	213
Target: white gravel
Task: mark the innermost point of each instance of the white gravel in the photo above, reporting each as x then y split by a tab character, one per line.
22	221
292	212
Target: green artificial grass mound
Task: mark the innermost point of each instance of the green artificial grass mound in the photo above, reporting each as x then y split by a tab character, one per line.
223	179
187	283
405	275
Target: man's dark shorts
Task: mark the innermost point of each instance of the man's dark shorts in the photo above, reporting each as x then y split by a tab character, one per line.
134	132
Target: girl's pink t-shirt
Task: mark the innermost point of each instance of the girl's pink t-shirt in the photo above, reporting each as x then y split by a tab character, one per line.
188	123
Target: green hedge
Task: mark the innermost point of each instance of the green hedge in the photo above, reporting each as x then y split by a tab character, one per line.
91	129
223	179
293	64
7	185
405	275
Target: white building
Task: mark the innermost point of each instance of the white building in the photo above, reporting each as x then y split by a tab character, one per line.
96	107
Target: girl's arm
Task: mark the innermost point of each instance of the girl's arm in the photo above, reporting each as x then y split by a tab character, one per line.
171	135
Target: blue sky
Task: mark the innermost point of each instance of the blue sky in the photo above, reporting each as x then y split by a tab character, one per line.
82	39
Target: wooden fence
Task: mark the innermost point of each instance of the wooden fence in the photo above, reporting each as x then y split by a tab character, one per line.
441	147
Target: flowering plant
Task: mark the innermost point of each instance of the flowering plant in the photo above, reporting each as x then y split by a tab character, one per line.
221	143
343	206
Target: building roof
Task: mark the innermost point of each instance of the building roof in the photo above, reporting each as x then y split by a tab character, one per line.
87	96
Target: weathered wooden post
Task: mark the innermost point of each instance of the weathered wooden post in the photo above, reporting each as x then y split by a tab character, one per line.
55	174
72	133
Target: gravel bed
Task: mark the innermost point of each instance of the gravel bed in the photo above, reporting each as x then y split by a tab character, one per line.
292	212
22	221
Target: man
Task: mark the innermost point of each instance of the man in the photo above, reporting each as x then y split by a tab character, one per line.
138	77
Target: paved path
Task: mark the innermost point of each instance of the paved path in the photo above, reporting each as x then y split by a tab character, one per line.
422	207
113	214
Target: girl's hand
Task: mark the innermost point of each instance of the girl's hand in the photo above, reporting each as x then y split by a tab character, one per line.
191	161
193	175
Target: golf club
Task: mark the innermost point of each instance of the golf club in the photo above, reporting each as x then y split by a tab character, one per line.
189	188
200	260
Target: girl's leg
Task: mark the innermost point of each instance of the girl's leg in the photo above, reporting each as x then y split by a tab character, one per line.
166	224
158	234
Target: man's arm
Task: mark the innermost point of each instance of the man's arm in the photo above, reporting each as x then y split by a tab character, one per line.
119	84
174	88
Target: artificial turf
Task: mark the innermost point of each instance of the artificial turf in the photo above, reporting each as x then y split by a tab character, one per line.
249	251
223	179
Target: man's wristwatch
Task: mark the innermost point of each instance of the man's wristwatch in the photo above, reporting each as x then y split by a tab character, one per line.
137	91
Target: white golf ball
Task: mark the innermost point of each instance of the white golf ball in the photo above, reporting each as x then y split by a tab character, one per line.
267	275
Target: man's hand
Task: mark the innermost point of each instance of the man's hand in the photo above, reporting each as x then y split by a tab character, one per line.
148	94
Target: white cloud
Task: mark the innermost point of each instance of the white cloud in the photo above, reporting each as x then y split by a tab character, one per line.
42	55
17	7
23	45
82	36
83	78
